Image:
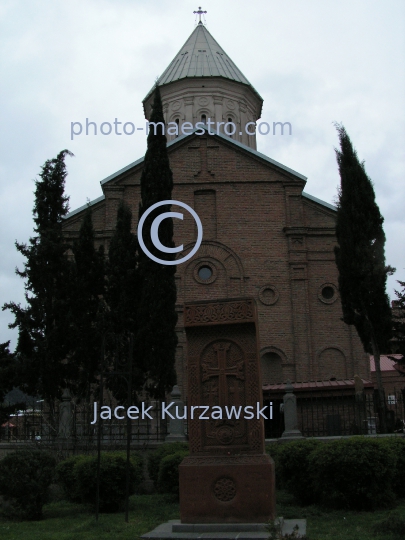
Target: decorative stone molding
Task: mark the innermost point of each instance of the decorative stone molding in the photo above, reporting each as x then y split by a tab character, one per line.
241	459
226	262
224	489
217	96
268	295
219	313
218	100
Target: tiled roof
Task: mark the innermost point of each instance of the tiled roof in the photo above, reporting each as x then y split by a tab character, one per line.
317	385
387	362
201	56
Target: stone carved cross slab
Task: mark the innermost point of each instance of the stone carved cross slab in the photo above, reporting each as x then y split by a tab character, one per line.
227	478
203	158
222	371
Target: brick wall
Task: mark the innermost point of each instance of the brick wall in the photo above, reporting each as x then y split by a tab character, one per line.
262	239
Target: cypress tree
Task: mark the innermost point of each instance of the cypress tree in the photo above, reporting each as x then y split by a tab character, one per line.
122	287
87	307
122	297
8	372
156	339
399	322
43	343
360	259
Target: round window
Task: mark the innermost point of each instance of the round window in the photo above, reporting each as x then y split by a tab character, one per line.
204	273
328	292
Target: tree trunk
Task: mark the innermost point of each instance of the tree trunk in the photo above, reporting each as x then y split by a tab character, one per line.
381	394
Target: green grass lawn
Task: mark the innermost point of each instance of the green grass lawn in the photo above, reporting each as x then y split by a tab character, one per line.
66	521
325	524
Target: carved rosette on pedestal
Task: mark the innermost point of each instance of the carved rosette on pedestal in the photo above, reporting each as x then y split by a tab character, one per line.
227	477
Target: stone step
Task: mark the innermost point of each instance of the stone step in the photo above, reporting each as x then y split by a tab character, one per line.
175	530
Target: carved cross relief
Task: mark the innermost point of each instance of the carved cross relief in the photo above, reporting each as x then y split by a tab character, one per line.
203	159
223	385
222	372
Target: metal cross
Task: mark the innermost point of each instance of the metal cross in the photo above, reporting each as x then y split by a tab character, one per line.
199	13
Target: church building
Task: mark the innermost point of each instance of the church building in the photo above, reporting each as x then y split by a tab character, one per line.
264	237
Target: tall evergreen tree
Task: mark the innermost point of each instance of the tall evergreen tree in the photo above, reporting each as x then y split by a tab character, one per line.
43	324
156	339
8	370
122	280
87	308
360	258
122	297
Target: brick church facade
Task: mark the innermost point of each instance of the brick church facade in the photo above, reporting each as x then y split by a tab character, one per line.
264	237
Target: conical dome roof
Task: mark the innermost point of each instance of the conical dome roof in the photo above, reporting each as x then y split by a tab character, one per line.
201	56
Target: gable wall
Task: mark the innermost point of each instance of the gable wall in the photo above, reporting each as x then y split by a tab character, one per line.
263	240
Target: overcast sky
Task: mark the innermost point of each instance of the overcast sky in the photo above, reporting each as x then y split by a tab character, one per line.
313	62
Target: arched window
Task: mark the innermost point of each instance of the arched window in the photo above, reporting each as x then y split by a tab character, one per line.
178	126
204	118
331	364
272	369
230	121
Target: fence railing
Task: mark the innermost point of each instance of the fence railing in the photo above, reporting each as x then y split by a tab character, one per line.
325	415
36	422
318	416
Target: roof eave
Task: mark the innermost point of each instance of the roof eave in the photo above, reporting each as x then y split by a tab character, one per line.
226	139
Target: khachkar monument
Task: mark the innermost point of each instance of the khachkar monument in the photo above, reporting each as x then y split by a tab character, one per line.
227	478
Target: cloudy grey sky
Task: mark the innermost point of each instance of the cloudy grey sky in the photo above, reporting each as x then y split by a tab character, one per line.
314	62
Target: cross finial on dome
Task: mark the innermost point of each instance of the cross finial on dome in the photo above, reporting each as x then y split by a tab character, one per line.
199	13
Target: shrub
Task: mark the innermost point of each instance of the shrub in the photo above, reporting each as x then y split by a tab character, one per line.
355	473
293	464
397	446
157	455
82	480
274	452
24	480
66	478
168	479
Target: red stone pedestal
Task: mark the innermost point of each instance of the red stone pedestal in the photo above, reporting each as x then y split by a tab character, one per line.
227	489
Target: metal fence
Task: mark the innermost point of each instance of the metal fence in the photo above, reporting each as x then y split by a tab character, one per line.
37	422
318	416
335	414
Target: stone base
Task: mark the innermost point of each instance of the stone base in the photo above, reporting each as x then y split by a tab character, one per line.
174	530
291	435
173	437
227	489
